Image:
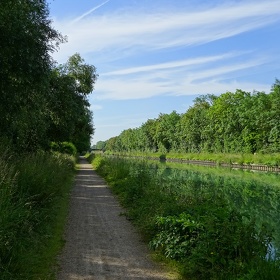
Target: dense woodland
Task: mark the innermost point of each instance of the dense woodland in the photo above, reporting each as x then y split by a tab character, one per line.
234	122
40	101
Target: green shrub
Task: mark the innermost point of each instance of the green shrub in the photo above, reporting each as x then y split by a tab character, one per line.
64	148
213	242
176	235
68	148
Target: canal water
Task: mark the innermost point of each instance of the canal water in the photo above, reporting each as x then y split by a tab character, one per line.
256	195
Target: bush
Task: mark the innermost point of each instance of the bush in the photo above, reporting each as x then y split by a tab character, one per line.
213	242
64	148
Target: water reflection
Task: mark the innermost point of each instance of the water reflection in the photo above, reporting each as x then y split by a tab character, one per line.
255	195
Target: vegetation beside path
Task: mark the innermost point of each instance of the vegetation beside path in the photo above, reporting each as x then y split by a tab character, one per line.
190	223
34	195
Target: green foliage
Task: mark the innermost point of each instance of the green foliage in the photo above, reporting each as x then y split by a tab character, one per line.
40	102
82	74
68	148
64	148
27	41
234	122
212	241
100	145
96	160
69	116
216	226
176	235
34	192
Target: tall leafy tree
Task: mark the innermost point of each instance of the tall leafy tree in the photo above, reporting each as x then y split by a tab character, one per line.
195	130
165	133
149	128
27	40
70	118
274	134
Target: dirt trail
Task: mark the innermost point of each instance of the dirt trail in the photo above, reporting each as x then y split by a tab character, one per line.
101	244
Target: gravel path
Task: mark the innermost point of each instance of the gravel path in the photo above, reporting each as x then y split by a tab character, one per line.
101	244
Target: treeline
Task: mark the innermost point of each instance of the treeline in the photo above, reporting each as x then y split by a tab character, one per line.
40	101
234	122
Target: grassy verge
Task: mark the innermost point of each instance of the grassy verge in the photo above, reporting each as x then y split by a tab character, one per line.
34	194
189	222
265	159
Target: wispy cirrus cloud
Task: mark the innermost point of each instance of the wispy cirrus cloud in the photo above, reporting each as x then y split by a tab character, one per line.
172	64
118	35
88	12
127	32
180	78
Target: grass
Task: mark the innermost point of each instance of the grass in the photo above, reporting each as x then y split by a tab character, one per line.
34	195
188	220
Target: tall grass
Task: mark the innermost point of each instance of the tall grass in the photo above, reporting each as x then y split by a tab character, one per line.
190	220
34	192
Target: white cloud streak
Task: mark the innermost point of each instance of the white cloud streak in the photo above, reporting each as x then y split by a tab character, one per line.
115	35
173	64
178	78
151	31
88	12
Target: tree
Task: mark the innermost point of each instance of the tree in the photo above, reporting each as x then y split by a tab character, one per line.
83	75
227	125
195	131
68	108
100	145
233	122
166	133
148	129
274	134
26	43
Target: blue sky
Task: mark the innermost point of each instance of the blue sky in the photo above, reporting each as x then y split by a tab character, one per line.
156	56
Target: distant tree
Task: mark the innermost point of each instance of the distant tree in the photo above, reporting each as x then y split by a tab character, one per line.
100	145
166	131
274	134
234	122
148	129
112	144
194	128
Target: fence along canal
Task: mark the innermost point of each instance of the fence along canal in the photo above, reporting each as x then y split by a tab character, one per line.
259	167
